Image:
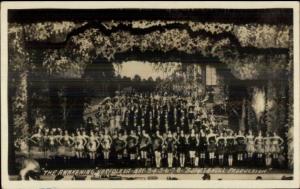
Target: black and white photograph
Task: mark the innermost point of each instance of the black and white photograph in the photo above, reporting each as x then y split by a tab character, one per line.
150	93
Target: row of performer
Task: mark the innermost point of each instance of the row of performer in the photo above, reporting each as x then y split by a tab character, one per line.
151	113
197	147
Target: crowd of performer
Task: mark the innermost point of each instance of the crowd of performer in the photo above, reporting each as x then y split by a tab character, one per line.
154	131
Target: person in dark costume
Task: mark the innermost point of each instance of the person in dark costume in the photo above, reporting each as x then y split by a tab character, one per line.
139	115
202	147
147	119
155	118
230	145
162	123
212	147
119	145
240	147
192	143
89	124
171	121
221	148
191	116
132	142
179	120
157	148
182	148
170	145
126	122
131	118
197	123
186	122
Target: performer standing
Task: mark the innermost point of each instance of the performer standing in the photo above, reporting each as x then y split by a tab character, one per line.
250	146
58	137
176	142
202	147
221	143
86	137
259	146
230	145
144	142
151	128
197	123
171	118
66	142
162	123
106	144
99	136
197	149
186	122
157	148
277	142
177	115
92	146
267	150
112	122
118	117
89	124
72	152
36	147
191	115
46	148
192	142
132	141
131	118
126	118
119	145
52	144
80	143
124	113
169	142
240	146
182	145
125	152
211	140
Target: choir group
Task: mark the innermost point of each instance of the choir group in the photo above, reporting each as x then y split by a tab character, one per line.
153	130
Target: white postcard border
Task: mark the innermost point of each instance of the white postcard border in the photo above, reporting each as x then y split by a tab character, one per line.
148	184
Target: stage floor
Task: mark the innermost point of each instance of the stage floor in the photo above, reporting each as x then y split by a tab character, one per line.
169	173
277	176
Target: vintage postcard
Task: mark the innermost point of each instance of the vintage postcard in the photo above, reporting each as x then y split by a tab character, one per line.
150	95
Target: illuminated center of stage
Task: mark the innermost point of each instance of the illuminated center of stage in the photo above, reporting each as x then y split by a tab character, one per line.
146	69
